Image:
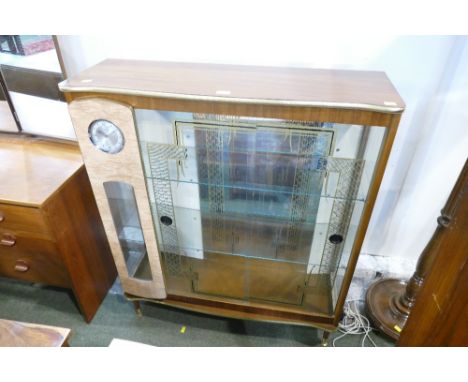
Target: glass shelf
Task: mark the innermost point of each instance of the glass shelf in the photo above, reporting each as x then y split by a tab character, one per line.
255	236
306	175
256	209
259	192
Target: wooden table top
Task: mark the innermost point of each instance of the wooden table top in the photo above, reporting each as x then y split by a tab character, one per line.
368	90
32	169
15	333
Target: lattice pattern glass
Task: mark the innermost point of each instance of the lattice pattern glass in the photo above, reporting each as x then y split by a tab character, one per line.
256	209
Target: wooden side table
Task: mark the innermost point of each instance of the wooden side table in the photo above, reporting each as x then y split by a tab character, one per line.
15	333
50	228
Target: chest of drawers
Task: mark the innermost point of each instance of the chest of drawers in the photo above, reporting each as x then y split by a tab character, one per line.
50	229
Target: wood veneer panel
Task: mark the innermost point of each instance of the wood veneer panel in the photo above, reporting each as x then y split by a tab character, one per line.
103	167
41	258
14	333
82	242
248	311
296	113
35	168
261	85
26	220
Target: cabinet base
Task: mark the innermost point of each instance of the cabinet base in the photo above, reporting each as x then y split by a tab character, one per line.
241	312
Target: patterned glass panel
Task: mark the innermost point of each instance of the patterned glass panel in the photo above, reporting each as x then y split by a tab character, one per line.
256	209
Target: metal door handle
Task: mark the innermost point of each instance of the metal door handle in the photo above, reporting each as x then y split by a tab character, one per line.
8	240
21	266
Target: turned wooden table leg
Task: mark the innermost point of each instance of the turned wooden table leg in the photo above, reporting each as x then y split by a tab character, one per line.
325	337
137	306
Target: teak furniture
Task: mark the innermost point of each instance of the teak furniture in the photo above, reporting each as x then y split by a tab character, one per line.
235	190
23	334
50	228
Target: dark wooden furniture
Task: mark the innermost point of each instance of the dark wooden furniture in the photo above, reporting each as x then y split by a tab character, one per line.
50	229
437	294
390	301
22	334
304	103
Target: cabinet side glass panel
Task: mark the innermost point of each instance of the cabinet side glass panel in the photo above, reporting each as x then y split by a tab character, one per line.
124	211
370	153
253	209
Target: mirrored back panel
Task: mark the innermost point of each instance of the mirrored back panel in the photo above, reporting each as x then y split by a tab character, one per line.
256	209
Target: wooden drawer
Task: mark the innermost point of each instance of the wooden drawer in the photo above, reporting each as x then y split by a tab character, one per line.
31	259
24	220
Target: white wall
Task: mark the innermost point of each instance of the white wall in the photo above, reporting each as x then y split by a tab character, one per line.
429	72
7	122
43	116
435	152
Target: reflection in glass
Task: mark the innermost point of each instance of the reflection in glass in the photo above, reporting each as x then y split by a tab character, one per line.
256	209
31	71
25	45
124	211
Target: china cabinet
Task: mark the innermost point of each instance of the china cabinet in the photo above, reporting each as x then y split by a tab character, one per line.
237	191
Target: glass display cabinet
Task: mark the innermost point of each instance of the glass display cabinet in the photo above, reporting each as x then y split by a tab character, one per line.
234	190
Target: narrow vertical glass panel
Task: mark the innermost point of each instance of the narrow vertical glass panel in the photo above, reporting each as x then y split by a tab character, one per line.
256	209
124	210
369	149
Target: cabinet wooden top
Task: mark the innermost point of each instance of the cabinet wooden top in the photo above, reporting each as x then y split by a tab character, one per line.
349	89
32	169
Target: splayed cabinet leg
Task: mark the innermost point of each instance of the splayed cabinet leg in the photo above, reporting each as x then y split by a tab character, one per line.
325	337
137	307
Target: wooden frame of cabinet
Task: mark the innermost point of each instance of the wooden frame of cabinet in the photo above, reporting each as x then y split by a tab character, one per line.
114	88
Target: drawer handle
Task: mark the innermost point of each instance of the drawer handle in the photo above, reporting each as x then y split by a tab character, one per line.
8	240
2	217
21	266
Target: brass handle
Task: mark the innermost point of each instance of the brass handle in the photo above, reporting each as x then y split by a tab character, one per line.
8	240
21	266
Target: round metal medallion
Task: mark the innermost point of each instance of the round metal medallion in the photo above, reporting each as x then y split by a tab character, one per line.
106	136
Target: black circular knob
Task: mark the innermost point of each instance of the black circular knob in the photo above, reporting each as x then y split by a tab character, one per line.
166	220
335	238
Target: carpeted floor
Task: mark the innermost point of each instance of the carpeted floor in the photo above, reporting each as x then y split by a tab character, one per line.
159	326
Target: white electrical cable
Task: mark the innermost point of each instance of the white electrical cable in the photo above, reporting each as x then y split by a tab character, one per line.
354	323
